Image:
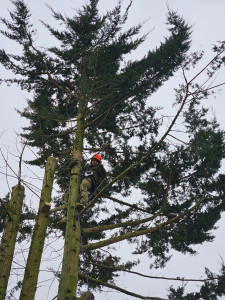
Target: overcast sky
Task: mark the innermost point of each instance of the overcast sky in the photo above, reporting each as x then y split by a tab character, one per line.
207	19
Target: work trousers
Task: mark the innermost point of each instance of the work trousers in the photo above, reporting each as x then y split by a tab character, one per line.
85	187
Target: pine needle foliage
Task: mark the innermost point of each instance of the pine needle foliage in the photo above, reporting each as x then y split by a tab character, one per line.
180	187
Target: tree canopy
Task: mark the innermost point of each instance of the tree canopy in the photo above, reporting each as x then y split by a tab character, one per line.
87	97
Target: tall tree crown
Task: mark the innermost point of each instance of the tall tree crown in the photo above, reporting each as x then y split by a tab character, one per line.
89	65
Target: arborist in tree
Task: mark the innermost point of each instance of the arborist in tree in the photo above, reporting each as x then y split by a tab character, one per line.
93	174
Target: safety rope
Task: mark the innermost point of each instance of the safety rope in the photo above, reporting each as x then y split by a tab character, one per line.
81	243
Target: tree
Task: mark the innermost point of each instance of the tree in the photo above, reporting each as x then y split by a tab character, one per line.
88	83
9	237
38	237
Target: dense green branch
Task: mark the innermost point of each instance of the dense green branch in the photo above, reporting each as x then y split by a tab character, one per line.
106	112
50	76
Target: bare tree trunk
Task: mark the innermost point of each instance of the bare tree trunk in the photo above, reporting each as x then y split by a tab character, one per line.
39	234
70	267
9	237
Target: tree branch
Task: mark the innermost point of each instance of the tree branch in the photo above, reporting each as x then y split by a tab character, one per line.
39	54
130	223
57	208
207	89
159	142
125	203
146	156
121	269
140	232
215	57
118	225
83	277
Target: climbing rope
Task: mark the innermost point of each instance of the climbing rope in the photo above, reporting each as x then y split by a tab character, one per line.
81	243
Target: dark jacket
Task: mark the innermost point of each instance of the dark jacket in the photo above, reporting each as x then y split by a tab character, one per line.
96	173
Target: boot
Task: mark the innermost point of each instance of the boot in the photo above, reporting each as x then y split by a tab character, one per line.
79	206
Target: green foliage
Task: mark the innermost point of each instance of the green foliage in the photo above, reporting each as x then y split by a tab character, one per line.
94	47
212	289
90	63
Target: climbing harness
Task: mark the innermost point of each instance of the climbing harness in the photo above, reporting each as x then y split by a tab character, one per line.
88	174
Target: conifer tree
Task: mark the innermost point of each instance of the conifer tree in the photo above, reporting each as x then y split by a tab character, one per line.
87	97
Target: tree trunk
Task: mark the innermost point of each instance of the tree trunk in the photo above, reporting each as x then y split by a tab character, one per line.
9	237
38	237
70	266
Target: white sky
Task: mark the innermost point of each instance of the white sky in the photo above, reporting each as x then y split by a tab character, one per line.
207	18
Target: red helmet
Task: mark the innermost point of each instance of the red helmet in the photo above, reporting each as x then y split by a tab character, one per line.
97	156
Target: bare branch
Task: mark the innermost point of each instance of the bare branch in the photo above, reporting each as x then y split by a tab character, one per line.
214	58
207	89
83	277
177	139
131	222
141	232
118	225
57	208
125	203
121	269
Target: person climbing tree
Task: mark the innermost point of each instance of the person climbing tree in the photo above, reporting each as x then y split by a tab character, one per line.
93	175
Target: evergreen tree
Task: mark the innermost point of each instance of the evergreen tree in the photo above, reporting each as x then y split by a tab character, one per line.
87	96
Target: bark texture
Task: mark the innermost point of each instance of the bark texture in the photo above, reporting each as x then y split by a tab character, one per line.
39	234
70	266
9	237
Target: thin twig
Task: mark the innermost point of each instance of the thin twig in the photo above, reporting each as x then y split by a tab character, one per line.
125	203
83	277
215	57
121	269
